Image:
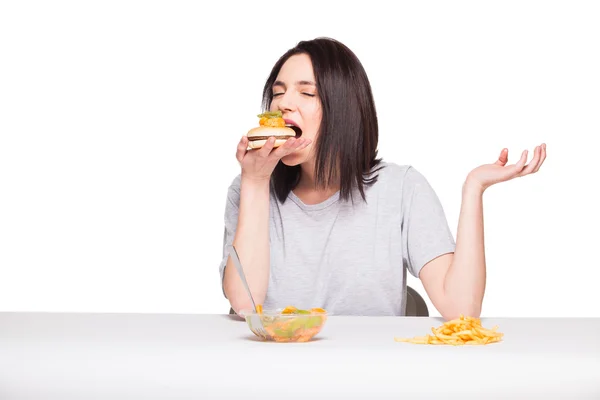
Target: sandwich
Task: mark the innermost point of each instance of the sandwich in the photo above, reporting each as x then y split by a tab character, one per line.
271	124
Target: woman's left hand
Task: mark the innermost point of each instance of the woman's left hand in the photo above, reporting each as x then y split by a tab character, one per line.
490	174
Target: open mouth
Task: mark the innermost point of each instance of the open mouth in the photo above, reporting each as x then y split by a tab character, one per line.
295	129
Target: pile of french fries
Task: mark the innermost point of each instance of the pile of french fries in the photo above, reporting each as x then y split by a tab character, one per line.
458	332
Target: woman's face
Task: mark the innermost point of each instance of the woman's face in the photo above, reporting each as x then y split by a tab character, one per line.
295	94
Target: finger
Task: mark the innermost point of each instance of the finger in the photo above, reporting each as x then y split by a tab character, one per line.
518	167
290	146
305	143
503	159
542	157
534	162
266	149
300	144
285	148
242	149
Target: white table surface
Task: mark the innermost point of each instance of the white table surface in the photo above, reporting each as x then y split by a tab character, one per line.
172	356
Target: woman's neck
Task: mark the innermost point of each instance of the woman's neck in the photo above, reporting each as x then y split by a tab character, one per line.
307	190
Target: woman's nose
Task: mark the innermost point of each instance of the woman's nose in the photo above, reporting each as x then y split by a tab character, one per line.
286	102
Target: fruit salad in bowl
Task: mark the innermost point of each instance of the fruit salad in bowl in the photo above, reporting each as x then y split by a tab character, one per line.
286	325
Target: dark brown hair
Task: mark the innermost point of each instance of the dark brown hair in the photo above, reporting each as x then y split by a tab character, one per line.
346	145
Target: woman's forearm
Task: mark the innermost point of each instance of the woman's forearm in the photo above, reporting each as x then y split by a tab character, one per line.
464	284
252	244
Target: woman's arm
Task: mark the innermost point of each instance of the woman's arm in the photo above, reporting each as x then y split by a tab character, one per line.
455	283
251	241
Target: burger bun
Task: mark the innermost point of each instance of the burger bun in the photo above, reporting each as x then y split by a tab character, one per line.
281	135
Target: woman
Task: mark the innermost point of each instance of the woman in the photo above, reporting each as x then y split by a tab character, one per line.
321	222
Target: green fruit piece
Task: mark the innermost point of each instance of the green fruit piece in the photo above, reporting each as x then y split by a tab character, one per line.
271	114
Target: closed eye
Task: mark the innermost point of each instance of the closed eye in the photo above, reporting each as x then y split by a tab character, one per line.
281	94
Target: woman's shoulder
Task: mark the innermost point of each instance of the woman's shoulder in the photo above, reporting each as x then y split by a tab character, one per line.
394	173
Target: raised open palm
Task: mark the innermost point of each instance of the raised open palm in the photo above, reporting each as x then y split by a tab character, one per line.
490	174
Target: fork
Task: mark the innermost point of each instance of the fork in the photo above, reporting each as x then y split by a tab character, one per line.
238	265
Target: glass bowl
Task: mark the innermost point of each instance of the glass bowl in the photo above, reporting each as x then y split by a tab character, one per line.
286	325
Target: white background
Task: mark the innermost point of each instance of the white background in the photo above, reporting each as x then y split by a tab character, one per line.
119	122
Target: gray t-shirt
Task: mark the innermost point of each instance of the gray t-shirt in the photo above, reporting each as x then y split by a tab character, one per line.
351	260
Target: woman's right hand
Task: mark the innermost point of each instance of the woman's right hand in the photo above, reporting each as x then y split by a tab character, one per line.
259	164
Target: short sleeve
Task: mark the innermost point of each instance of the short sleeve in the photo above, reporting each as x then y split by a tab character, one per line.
232	207
425	231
